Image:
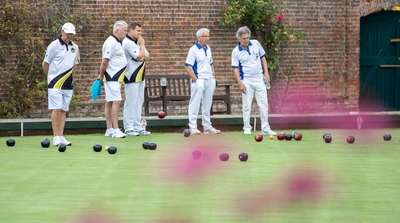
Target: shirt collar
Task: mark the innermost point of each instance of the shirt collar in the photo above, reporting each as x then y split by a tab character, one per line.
118	40
241	48
130	38
63	43
200	47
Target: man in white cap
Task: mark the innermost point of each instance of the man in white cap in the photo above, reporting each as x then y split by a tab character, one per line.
61	57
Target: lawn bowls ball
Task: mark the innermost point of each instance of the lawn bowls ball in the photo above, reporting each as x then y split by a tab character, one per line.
10	142
298	136
387	137
224	157
243	156
326	133
328	138
288	136
186	132
146	145
152	146
258	137
45	143
281	136
97	147
112	150
62	147
161	114
196	154
350	139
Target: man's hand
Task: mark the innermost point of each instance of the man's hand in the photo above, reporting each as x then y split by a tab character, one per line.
242	88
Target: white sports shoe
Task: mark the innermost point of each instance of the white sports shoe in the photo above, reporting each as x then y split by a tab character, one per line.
211	130
194	131
144	133
269	132
109	133
131	133
118	134
56	140
247	132
65	141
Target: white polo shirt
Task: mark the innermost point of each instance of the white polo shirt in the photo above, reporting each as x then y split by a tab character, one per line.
112	50
200	59
61	58
249	61
135	70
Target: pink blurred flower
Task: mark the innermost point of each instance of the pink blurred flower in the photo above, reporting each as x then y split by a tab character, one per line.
280	17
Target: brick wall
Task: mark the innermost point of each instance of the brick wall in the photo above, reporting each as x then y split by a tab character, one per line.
325	75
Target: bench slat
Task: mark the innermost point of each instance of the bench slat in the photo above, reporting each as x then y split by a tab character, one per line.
178	89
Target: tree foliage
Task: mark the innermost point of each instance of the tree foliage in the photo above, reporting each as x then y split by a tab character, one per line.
27	28
266	21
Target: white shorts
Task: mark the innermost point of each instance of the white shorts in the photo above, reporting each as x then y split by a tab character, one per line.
59	99
113	91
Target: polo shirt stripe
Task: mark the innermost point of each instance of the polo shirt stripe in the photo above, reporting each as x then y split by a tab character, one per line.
62	81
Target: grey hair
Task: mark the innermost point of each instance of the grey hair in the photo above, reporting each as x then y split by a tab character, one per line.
118	24
243	30
200	32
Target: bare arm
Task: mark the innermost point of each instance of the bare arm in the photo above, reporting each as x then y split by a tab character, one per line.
242	88
103	67
146	54
142	51
45	67
265	68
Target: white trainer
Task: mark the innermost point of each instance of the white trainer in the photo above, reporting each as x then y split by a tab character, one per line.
109	133
118	134
65	141
131	133
194	131
269	132
144	133
211	130
56	140
247	132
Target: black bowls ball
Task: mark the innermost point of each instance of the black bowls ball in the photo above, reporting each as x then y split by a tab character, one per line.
97	147
112	150
146	145
387	137
62	147
45	143
10	142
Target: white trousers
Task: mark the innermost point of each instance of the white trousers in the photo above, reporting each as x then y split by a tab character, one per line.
257	89
134	97
201	93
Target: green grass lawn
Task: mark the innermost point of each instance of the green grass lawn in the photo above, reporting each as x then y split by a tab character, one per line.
340	182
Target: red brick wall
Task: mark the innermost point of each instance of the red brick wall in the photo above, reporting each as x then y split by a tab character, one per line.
325	75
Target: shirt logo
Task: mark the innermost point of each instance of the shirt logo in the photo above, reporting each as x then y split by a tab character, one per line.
72	50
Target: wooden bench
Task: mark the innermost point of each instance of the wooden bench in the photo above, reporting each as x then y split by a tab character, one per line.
167	88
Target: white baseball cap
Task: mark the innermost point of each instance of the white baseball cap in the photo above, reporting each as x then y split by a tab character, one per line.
69	28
